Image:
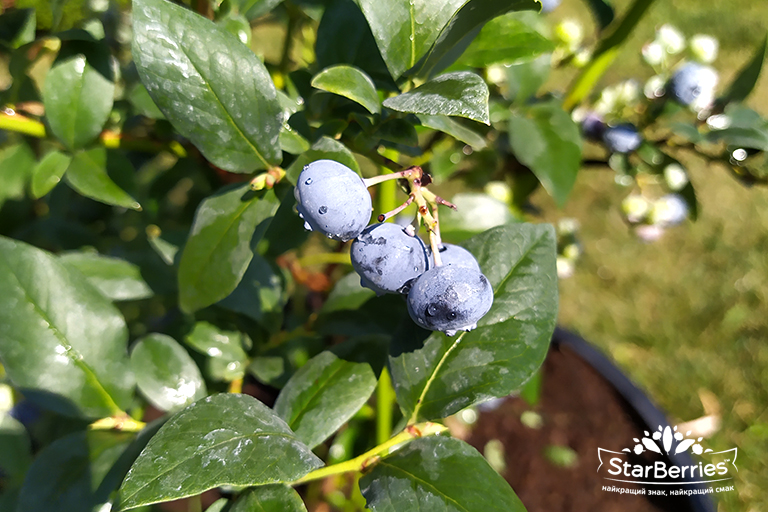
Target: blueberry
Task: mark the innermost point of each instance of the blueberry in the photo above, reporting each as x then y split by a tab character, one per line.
622	138
592	126
388	259
456	256
333	199
691	82
450	299
549	5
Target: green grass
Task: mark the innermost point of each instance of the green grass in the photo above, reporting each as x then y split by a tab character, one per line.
686	316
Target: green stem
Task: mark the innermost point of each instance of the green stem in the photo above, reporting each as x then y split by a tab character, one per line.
370	457
290	32
385	401
607	50
24	125
121	422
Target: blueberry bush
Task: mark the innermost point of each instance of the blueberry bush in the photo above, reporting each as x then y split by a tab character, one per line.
169	328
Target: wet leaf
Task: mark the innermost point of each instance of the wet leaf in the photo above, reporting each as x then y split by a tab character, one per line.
460	93
455	129
48	172
350	82
78	92
436	375
115	278
218	250
225	348
88	173
210	86
324	148
323	395
437	473
269	498
70	359
547	141
226	439
165	372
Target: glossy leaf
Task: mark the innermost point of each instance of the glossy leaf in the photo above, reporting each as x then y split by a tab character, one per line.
70	359
115	278
323	395
165	372
211	87
347	293
218	250
67	474
405	29
225	348
437	473
142	102
460	93
269	498
506	39
17	27
48	172
88	173
225	439
252	9
260	295
291	141
455	129
547	141
16	166
327	148
464	28
78	92
524	79
350	82
435	375
745	81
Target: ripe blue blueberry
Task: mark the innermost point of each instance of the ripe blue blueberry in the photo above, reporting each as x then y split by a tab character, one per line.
692	82
549	5
332	199
388	259
456	256
449	299
622	138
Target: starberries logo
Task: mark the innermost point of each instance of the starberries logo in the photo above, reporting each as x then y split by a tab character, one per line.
654	460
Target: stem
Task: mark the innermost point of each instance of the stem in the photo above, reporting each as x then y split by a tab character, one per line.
369	182
370	457
385	399
236	386
428	384
121	422
392	213
20	124
293	24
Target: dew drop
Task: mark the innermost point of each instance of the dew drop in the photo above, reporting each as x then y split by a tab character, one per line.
308	181
431	310
322	210
451	316
307	226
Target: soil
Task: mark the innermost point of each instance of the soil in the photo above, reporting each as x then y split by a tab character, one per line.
582	411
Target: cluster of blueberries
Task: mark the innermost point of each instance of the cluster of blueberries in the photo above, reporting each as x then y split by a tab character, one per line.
450	297
688	84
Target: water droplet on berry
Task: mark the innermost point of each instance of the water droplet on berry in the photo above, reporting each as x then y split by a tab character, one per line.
308	182
322	210
307	226
451	316
431	310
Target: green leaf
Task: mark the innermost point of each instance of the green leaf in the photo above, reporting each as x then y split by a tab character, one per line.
16	166
70	359
67	474
276	365
745	81
15	448
461	93
547	141
437	473
91	173
524	79
142	102
464	27
405	29
211	87
455	129
323	395
438	376
755	138
260	295
48	172
165	372
347	293
225	439
225	348
350	82
602	11
344	37
269	498
115	278
291	141
218	250
327	148
252	9
17	27
78	92
506	39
